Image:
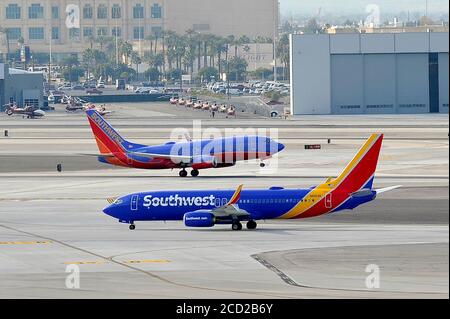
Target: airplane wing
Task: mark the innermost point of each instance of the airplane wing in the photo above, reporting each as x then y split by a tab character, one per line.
184	159
231	209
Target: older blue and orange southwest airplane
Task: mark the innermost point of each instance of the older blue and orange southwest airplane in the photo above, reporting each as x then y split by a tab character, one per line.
351	189
198	155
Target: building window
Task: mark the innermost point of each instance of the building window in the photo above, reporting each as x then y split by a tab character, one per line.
116	12
156	31
36	11
138	11
31	102
156	11
12	11
55	12
87	12
102	32
138	33
88	32
14	34
102	12
116	32
380	106
201	27
36	33
74	34
55	33
350	107
413	105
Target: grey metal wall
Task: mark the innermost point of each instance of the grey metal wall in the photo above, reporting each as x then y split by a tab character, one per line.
17	84
310	74
413	83
379	83
443	82
347	85
366	73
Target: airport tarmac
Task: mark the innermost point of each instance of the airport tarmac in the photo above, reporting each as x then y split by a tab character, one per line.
49	220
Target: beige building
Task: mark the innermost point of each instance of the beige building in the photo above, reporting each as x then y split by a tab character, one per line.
38	21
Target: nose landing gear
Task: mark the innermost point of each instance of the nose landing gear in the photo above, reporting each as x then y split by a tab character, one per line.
132	226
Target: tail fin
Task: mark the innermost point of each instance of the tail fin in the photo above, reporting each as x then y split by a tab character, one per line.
108	140
360	172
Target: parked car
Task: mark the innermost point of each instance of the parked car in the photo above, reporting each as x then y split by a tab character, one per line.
78	87
100	85
93	91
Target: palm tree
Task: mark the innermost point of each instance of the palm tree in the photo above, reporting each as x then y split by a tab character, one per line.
136	60
283	53
150	38
126	49
221	47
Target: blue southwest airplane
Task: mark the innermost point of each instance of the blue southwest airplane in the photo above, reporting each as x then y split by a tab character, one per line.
207	208
198	155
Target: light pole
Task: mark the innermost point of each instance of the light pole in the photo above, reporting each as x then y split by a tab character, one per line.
117	41
275	36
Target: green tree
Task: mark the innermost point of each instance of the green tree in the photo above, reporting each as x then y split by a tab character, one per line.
137	61
152	74
262	73
236	69
73	74
313	27
69	63
206	74
283	53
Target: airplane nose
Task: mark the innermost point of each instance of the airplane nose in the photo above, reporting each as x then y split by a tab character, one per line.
110	211
280	147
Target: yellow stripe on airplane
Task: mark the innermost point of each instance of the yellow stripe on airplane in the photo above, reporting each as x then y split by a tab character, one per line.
324	189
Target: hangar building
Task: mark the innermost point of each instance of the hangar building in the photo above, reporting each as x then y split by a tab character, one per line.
369	73
22	87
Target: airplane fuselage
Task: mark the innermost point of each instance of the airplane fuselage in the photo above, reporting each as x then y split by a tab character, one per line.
225	151
275	203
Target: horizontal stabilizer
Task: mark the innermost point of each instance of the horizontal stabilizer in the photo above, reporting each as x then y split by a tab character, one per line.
98	155
388	189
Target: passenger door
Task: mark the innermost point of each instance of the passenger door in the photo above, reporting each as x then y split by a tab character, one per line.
134	203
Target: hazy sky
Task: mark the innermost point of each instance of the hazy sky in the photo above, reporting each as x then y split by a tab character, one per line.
358	6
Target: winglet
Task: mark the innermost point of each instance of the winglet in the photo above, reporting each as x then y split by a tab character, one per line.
236	197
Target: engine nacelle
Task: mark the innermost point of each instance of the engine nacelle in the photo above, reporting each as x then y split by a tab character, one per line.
204	162
200	219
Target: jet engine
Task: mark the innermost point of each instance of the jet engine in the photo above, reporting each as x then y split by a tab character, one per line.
200	219
204	162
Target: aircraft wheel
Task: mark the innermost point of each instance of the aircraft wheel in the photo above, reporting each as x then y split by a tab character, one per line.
236	226
195	172
183	173
251	225
132	227
262	165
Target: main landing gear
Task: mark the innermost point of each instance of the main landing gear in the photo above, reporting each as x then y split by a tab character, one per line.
132	226
194	173
251	225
